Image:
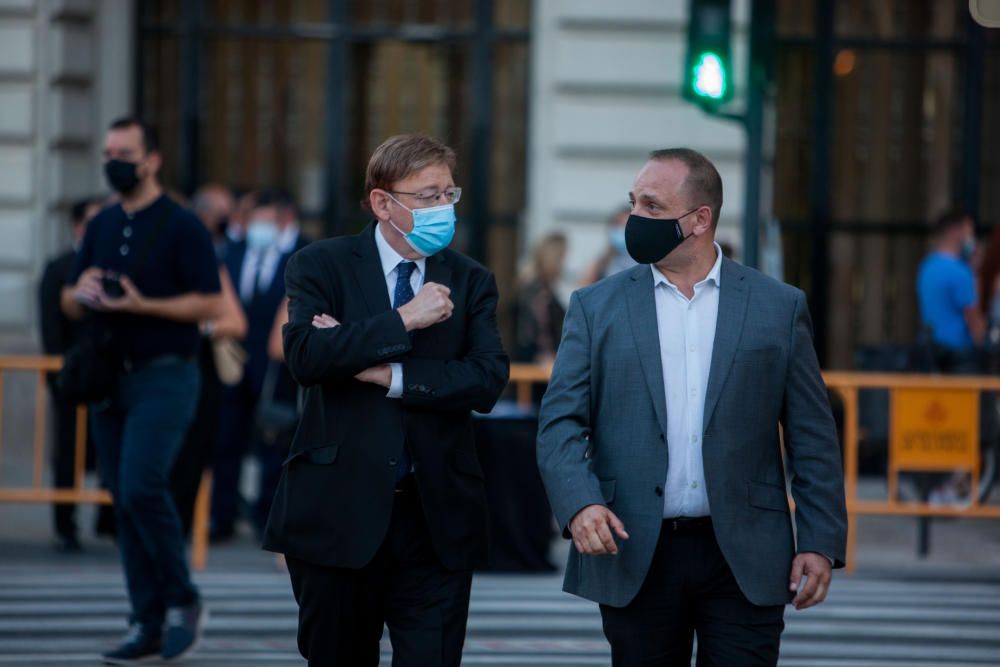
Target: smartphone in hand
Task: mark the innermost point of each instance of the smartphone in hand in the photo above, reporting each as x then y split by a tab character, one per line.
112	286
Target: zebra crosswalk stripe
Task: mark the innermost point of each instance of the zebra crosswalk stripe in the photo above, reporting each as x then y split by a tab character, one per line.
67	618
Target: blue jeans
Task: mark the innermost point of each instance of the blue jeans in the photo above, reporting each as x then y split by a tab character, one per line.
138	435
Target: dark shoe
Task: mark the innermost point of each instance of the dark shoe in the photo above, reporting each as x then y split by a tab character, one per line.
68	544
105	525
140	645
184	628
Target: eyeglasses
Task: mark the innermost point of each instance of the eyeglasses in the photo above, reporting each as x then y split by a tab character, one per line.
451	195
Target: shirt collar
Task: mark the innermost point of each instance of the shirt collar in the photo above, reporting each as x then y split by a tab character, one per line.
390	258
713	277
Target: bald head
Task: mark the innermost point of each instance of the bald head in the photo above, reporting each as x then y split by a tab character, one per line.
702	186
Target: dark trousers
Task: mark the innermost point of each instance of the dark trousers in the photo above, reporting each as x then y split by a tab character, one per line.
235	432
63	463
64	469
425	606
199	442
689	591
138	435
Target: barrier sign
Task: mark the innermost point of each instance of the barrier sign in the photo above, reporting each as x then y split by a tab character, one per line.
934	429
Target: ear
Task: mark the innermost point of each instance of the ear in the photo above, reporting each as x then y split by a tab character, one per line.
153	162
379	202
703	216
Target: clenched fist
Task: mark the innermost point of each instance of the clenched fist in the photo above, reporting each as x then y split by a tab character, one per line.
430	306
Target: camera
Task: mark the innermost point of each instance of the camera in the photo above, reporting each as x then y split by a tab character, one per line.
112	286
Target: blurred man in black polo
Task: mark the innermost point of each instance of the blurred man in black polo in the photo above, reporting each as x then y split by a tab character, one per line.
147	267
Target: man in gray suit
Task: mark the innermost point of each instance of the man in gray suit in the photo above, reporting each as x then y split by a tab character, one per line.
659	439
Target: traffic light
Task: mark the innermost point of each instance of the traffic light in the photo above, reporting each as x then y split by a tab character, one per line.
708	72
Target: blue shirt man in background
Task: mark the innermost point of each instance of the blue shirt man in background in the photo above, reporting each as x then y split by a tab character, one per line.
946	290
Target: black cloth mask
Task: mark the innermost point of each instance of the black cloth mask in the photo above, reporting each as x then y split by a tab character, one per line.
648	240
121	175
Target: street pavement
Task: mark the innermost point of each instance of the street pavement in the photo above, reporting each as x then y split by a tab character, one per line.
64	610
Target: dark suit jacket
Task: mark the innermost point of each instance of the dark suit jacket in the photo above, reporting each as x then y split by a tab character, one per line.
603	425
260	311
334	500
58	331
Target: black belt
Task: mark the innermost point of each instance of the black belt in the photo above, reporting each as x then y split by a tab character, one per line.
687	524
129	366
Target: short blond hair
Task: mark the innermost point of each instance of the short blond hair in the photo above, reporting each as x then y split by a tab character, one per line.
400	156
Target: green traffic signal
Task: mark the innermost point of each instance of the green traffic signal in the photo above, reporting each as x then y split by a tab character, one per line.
709	77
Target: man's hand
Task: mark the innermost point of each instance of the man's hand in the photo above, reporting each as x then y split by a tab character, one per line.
131	301
430	306
324	321
591	529
816	567
380	375
88	288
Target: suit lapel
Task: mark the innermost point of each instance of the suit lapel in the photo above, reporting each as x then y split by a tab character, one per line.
728	328
438	270
367	269
645	332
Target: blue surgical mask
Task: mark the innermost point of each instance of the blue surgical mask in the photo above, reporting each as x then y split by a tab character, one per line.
617	238
433	228
261	234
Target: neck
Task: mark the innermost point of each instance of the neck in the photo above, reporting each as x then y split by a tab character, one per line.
952	249
397	242
145	194
686	274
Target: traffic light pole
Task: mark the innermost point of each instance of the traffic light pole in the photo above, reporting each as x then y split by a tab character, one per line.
759	72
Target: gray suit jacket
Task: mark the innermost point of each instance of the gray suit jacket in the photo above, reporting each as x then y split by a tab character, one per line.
603	424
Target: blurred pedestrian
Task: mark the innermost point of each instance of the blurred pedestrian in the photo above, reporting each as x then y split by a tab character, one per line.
381	508
214	206
615	258
955	326
58	334
147	267
658	439
539	313
220	339
258	266
239	220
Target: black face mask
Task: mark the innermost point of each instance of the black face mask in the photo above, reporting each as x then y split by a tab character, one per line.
648	240
121	175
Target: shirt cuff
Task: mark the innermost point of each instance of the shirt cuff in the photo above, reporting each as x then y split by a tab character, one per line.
396	384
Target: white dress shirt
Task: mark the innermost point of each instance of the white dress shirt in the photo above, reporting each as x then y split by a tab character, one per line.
687	338
269	258
390	261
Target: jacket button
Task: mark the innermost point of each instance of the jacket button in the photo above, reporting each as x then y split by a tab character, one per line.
393	461
662	439
659	491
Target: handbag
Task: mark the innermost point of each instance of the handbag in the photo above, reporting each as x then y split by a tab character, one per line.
92	364
275	420
230	358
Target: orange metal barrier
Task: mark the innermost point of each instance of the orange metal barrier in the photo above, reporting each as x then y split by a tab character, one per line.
846	385
38	493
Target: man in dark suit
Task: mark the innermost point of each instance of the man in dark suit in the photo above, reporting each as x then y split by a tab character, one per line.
660	447
58	333
257	265
381	507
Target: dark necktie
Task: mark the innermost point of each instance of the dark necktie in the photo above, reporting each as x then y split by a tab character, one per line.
402	295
